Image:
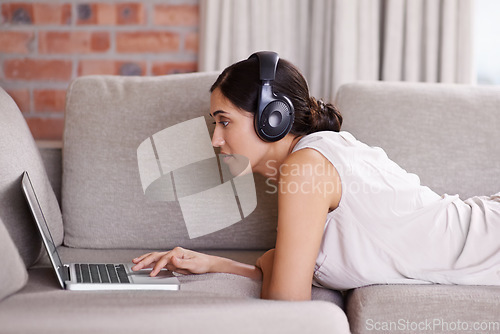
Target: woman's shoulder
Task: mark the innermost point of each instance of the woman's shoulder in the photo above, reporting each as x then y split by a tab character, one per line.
310	174
306	155
322	138
308	162
334	146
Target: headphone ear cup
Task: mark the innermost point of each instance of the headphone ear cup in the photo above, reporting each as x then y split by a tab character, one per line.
276	119
275	114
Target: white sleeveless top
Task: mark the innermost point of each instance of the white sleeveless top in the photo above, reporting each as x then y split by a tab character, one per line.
390	229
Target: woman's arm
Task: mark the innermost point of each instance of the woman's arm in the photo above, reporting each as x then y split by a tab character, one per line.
185	261
224	265
308	187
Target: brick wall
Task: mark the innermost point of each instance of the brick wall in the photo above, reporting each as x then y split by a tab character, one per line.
46	44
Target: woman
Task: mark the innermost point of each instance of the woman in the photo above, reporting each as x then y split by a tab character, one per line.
347	215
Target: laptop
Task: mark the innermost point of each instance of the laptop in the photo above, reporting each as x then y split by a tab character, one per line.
96	276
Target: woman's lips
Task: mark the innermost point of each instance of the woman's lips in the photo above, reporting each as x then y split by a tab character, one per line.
226	156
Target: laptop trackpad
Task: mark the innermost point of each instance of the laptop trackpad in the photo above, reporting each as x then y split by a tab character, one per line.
142	276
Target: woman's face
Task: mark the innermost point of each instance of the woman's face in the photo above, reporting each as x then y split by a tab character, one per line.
234	133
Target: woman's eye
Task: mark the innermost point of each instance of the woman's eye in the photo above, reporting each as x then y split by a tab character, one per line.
224	123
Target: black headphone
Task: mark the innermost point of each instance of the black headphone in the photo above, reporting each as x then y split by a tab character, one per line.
275	114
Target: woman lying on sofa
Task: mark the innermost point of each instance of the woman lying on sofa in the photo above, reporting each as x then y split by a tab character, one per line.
348	216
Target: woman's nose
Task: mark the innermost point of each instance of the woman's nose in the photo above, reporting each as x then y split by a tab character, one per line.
217	140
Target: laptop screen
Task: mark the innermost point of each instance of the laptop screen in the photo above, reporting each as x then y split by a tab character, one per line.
36	210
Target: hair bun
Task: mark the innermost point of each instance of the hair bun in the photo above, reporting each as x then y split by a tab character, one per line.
324	116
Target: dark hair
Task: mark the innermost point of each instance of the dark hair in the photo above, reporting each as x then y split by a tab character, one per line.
240	83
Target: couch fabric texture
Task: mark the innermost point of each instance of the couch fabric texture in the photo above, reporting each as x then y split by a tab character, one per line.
13	275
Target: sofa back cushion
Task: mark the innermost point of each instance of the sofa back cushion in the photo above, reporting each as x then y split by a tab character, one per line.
446	134
13	275
18	152
104	205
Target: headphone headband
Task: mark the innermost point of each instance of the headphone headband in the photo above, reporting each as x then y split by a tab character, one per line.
268	61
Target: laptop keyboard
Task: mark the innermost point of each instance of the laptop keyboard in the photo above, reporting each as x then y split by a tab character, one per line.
101	273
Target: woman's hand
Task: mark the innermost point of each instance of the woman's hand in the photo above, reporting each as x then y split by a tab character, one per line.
180	260
265	262
185	261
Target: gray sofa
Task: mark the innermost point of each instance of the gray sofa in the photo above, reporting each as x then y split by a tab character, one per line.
444	133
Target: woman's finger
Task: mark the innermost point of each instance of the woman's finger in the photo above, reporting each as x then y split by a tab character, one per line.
139	258
161	263
147	261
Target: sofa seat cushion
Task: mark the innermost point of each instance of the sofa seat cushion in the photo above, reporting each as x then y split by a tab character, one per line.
13	275
209	303
424	308
103	200
18	152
